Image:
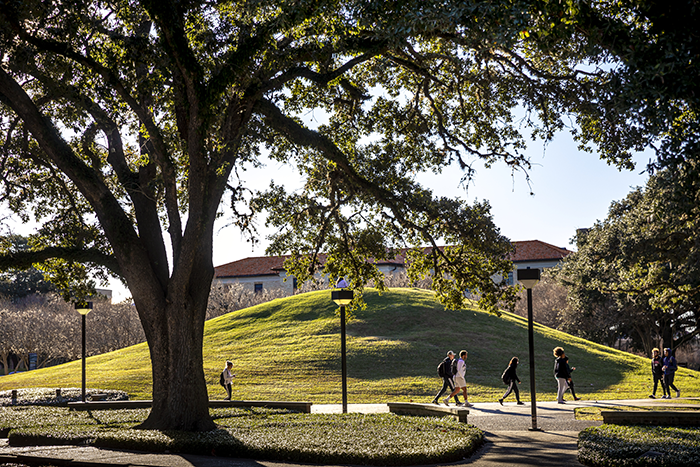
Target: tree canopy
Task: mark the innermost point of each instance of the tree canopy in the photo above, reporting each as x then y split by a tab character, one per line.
639	267
124	124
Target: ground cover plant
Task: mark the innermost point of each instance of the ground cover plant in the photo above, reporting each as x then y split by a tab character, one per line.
376	439
393	348
636	445
46	396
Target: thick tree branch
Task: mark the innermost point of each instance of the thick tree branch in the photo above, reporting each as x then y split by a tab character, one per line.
27	259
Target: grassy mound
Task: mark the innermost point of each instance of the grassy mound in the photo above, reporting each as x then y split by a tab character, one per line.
289	349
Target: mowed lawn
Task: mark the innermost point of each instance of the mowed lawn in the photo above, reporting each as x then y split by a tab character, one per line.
289	349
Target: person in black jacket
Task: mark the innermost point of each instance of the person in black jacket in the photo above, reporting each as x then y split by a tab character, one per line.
445	371
657	372
512	380
670	367
571	380
561	373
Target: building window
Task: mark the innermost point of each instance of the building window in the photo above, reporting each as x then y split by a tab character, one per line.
510	278
258	288
294	283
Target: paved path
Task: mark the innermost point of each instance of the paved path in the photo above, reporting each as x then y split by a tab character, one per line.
509	440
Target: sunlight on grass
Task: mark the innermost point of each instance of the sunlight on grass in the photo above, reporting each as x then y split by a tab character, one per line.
289	349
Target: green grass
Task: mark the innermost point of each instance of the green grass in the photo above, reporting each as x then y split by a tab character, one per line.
378	439
289	349
635	445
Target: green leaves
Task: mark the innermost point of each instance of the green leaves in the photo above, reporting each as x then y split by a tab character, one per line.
641	260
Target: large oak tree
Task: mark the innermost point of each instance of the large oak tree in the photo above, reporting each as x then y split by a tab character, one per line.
125	123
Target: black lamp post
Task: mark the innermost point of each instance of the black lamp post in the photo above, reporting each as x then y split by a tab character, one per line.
342	298
83	308
530	277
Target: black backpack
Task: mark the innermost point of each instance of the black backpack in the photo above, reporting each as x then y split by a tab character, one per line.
505	377
222	381
454	367
441	369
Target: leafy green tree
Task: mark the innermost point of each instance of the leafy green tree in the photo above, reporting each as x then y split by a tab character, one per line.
125	122
19	283
640	265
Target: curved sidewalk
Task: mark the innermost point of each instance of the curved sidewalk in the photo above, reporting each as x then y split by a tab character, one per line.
509	440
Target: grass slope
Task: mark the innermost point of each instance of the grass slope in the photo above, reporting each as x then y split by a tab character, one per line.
289	349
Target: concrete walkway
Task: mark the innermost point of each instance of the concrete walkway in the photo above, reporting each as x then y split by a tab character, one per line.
510	442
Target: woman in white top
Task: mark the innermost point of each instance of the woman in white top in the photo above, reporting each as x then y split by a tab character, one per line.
228	377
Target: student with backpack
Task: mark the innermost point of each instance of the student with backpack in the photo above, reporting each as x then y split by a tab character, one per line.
445	372
460	375
225	379
511	379
670	367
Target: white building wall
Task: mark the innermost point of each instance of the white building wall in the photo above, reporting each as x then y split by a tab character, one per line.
268	282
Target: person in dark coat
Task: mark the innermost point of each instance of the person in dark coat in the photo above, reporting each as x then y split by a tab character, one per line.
571	380
657	372
561	373
670	367
512	380
445	371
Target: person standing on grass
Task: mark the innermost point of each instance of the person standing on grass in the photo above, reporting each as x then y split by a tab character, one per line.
445	372
561	373
571	380
512	380
657	372
460	379
670	367
227	378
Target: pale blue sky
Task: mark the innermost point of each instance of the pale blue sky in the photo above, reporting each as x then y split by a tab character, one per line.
572	189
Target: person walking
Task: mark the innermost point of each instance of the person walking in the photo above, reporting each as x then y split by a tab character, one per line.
561	373
227	378
657	372
670	367
512	380
445	372
460	379
571	380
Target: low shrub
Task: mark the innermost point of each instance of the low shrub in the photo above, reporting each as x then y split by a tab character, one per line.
47	396
370	439
636	445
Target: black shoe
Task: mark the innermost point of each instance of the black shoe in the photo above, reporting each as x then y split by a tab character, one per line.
521	403
500	401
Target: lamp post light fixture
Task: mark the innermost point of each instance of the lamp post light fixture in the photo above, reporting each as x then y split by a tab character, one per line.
83	308
342	298
528	278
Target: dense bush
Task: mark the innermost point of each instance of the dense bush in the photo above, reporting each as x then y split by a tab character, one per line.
628	446
377	439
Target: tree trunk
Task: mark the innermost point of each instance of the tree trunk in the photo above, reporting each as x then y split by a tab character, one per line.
180	399
666	334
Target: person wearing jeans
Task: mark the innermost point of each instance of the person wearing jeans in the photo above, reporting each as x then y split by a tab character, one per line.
670	367
561	373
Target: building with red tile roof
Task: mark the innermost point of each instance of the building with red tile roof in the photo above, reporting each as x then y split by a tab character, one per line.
266	272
